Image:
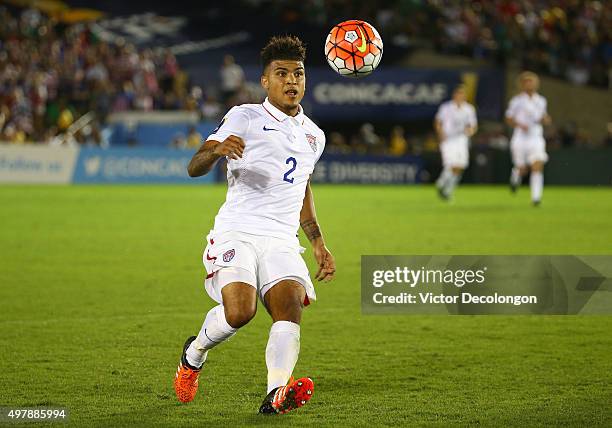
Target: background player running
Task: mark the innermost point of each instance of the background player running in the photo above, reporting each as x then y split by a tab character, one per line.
526	114
253	251
455	123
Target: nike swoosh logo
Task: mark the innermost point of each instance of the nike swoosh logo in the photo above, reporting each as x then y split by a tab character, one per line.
363	46
270	129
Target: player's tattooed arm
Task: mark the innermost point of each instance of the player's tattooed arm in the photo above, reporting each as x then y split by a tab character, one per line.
311	229
308	217
204	159
310	226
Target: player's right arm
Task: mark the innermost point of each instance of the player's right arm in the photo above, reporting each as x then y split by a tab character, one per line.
205	158
438	123
511	114
438	128
514	124
227	140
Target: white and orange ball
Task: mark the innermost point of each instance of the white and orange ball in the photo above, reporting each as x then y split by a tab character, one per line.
353	48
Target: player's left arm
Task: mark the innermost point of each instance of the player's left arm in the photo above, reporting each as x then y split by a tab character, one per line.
310	226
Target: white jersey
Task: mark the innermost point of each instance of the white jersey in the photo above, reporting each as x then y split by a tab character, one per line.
266	187
455	118
529	111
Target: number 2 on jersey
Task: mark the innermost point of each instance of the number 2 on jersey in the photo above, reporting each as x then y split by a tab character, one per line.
292	161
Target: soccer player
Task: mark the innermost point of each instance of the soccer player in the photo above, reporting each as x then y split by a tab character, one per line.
455	123
253	250
526	114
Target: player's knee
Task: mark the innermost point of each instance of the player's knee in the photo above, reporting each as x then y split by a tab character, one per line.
289	309
239	316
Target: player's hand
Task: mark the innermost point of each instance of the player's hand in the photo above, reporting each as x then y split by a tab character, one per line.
326	262
546	120
524	127
232	147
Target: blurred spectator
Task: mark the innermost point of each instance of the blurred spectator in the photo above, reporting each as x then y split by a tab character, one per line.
568	133
367	141
194	138
336	144
211	109
398	146
232	78
178	141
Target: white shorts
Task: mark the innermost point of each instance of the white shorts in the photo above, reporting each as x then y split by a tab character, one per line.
455	152
260	261
526	151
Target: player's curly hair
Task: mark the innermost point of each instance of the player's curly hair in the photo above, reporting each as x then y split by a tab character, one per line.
283	47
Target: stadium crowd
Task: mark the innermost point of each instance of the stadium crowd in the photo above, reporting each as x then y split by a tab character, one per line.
51	74
570	39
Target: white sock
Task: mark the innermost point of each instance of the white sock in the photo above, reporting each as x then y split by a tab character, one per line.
537	185
214	331
445	176
282	352
451	183
515	177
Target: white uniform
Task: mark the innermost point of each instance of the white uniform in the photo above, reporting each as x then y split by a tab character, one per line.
454	119
528	146
254	239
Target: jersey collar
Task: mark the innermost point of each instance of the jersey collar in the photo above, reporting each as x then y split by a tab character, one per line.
280	116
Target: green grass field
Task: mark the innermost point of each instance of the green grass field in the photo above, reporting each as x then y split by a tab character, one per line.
100	286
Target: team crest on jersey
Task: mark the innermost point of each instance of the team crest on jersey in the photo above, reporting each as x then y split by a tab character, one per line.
229	255
312	140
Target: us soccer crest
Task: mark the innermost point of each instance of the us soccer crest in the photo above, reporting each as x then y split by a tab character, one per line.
312	140
229	255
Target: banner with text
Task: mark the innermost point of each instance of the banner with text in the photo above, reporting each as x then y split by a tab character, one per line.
37	164
480	285
42	164
368	169
127	165
396	94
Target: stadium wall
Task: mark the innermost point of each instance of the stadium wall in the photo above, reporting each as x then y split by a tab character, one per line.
65	165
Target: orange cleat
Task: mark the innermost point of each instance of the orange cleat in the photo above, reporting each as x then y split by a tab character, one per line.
289	397
186	379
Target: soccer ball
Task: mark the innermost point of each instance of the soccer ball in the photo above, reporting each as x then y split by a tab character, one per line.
353	48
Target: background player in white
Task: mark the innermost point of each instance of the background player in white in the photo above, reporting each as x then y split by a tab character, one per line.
526	114
253	250
455	123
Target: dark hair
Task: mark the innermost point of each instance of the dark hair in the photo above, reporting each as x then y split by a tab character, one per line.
283	47
460	87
